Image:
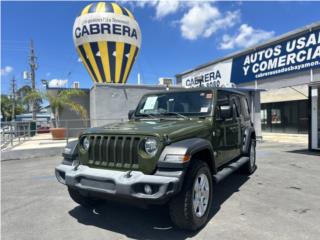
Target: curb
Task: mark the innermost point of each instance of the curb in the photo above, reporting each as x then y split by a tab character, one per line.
31	153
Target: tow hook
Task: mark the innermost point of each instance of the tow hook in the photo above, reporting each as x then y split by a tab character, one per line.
75	164
128	174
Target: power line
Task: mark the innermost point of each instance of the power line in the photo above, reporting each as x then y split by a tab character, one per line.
12	50
14	41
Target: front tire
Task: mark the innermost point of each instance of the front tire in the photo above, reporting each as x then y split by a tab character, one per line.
190	209
85	201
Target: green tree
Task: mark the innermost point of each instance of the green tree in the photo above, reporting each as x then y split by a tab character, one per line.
6	107
27	97
58	101
63	99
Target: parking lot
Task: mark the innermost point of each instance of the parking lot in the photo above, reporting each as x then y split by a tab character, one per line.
280	201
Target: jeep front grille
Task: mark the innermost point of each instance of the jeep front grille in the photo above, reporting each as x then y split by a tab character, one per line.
114	151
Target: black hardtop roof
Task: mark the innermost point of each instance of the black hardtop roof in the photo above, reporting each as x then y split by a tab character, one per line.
240	91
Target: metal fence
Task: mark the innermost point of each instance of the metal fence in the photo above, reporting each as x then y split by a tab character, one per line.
16	132
12	131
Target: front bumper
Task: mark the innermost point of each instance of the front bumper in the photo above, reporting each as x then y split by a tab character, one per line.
119	184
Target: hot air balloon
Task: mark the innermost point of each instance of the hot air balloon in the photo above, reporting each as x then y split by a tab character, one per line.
107	38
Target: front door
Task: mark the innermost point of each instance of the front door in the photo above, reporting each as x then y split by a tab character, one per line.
227	135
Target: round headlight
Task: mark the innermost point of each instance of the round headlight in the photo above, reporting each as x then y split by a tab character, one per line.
86	144
151	146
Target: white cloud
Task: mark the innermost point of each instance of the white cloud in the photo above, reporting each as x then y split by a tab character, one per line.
142	4
204	19
245	37
162	8
165	8
58	83
6	70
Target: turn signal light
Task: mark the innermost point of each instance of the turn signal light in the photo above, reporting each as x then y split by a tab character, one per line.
177	158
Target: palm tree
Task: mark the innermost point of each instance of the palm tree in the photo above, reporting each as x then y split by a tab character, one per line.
32	98
64	99
58	101
35	100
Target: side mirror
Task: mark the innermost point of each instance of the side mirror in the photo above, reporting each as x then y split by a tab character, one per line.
130	114
225	112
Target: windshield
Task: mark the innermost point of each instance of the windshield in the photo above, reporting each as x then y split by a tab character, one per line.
177	104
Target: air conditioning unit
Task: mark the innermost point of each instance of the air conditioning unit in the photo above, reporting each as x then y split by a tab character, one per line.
229	85
75	85
165	81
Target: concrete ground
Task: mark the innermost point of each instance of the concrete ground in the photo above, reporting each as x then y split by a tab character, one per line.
285	138
40	145
39	141
281	200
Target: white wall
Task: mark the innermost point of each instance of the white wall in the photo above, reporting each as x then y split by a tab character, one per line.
112	102
314	117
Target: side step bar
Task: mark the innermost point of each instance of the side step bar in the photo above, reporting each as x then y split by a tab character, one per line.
227	170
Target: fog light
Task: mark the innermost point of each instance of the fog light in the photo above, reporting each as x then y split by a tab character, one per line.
147	189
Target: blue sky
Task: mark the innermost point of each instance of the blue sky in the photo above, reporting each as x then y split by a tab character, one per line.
176	36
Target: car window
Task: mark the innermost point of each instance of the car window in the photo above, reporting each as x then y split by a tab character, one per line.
223	103
198	102
244	107
236	106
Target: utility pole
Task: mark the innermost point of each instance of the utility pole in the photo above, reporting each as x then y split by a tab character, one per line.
13	95
139	79
33	68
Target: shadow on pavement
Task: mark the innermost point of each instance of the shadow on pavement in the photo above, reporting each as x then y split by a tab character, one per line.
151	223
305	152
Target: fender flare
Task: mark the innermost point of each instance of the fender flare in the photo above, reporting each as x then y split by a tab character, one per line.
70	152
247	138
190	147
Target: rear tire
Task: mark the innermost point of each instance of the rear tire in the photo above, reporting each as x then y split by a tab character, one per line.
249	167
190	209
85	201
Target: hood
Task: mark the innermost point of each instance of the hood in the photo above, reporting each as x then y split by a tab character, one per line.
175	129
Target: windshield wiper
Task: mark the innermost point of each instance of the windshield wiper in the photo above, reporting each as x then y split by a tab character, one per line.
149	115
176	114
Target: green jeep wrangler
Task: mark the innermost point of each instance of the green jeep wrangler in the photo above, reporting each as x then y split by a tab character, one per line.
176	144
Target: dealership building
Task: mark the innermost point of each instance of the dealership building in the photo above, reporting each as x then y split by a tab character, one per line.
280	77
286	67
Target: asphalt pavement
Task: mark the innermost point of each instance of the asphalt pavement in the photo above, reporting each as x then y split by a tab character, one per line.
281	200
